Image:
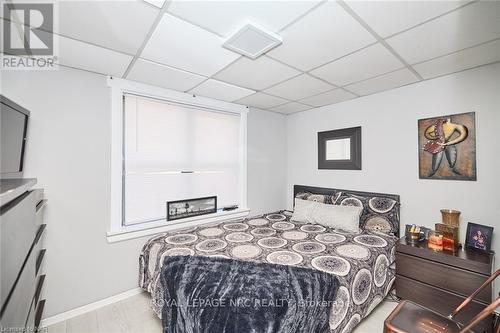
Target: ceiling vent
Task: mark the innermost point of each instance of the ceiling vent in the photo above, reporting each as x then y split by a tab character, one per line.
252	41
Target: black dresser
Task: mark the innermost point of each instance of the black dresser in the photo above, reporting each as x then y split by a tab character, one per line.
22	254
441	280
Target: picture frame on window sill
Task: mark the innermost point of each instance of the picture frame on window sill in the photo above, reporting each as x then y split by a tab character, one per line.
181	209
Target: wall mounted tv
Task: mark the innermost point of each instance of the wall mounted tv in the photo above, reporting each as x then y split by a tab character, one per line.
13	130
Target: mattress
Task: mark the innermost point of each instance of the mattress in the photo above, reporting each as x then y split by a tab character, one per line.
363	262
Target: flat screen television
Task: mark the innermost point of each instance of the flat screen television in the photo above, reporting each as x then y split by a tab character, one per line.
13	130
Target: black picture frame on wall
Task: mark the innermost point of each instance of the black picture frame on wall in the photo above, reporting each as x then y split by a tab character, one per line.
354	160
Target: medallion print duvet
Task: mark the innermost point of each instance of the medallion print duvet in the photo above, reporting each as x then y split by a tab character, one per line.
362	262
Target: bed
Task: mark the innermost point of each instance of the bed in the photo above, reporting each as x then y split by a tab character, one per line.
363	262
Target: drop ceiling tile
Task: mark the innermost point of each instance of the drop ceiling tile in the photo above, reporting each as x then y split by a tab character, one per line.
118	25
469	58
369	62
256	74
291	107
221	90
465	27
89	57
163	76
299	87
156	3
262	101
390	17
384	82
225	17
324	34
183	45
330	97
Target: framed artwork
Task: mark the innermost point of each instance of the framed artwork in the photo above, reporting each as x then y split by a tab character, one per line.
447	147
478	237
340	149
181	209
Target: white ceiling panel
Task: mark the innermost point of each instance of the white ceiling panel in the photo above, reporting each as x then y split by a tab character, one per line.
262	101
291	107
468	26
119	25
221	90
369	62
384	82
225	17
92	58
469	58
329	97
390	17
325	34
182	45
256	74
163	76
156	3
299	87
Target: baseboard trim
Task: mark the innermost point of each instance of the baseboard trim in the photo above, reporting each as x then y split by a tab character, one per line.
89	307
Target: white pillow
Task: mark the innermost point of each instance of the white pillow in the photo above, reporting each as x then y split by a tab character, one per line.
302	212
333	216
338	217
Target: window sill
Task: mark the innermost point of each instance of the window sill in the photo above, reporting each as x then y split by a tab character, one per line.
146	229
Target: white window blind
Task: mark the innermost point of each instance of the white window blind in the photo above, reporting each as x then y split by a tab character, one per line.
174	152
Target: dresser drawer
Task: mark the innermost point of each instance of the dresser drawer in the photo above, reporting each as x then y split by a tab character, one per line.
17	233
446	277
441	301
17	308
35	303
35	317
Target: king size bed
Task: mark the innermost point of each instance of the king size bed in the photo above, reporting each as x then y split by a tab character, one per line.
362	261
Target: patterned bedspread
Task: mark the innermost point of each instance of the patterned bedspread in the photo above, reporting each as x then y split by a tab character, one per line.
363	262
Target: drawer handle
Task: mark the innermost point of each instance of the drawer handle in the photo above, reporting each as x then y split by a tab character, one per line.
39	286
40	205
39	312
39	233
39	260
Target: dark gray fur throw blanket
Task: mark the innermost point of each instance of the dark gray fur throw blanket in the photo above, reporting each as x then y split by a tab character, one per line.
218	295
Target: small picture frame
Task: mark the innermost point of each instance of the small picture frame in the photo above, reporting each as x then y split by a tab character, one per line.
340	149
478	237
181	209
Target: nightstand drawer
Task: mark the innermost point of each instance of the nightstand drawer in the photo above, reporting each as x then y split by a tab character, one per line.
441	301
450	278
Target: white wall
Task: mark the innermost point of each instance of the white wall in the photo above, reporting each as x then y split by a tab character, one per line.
390	148
266	161
69	152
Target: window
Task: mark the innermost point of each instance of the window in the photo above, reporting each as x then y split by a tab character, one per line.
175	152
166	147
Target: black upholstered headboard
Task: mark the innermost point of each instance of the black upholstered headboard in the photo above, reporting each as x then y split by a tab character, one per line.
380	210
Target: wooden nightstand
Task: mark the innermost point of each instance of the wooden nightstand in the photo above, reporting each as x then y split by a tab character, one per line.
442	280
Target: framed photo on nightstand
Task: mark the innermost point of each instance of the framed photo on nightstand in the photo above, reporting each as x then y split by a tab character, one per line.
478	237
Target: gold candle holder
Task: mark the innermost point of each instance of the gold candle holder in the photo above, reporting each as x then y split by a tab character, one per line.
450	217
